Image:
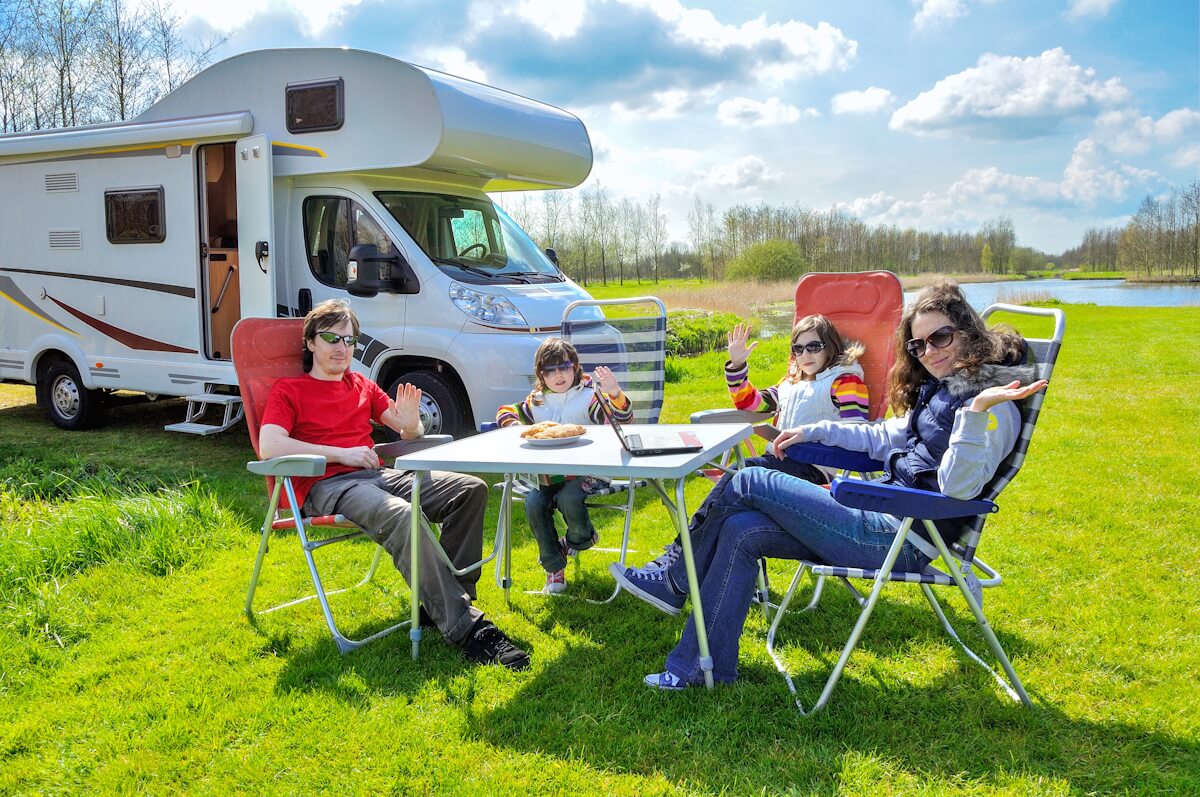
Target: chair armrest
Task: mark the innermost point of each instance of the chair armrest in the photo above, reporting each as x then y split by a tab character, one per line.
729	416
398	448
832	457
895	499
290	465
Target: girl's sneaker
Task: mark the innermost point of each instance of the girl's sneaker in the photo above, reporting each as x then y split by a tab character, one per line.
556	582
569	551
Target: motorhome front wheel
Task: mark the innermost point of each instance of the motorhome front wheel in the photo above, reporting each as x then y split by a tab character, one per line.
443	407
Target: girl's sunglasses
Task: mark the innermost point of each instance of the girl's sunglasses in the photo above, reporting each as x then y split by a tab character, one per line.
561	368
938	339
332	338
812	347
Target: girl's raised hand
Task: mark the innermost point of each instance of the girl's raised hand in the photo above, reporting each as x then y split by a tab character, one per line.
608	382
739	352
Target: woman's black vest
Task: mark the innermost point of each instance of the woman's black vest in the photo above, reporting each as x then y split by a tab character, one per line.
929	425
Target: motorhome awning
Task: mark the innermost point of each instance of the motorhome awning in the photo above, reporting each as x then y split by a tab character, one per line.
123	135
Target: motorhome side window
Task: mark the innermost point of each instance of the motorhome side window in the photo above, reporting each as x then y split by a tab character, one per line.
331	226
315	106
134	216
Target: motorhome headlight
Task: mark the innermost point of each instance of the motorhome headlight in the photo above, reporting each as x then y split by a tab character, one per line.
485	307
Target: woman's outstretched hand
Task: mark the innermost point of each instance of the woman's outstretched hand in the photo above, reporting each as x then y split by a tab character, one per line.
1002	393
786	438
739	352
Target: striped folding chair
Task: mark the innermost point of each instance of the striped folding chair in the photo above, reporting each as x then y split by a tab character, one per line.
264	351
629	336
958	561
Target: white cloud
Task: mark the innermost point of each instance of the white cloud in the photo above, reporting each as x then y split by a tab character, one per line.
316	16
995	187
1086	180
745	112
559	18
662	105
1187	158
1126	131
1009	97
871	100
1089	8
451	60
935	12
748	172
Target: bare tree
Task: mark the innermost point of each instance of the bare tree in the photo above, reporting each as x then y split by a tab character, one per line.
656	229
175	59
64	29
122	60
556	206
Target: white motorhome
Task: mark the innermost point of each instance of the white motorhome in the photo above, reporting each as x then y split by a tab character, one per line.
264	185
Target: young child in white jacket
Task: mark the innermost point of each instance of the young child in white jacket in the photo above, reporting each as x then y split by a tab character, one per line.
564	394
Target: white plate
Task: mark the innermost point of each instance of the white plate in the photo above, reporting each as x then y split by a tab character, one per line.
554	442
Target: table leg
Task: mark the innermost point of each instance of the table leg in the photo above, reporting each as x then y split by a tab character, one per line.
414	563
689	561
507	510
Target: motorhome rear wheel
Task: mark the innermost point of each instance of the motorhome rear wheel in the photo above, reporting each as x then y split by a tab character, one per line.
69	404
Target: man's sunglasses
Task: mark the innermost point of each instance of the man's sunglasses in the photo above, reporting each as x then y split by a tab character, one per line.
561	368
332	337
812	347
938	339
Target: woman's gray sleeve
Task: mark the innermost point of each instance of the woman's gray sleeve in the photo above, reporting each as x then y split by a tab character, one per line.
979	442
875	439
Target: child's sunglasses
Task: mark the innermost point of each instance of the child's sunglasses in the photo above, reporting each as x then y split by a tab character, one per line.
332	338
938	339
561	368
812	347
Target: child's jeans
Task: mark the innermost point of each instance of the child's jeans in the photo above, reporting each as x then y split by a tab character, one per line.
539	510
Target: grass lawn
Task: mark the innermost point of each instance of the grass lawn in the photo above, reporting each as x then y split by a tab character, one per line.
126	665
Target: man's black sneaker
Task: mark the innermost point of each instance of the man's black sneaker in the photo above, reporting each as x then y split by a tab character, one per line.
487	644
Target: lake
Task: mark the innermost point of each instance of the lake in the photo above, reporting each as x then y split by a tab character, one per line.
1104	293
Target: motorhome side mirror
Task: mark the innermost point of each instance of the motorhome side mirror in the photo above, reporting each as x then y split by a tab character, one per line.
552	255
362	271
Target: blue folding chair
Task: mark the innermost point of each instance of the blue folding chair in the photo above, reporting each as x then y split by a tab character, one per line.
959	560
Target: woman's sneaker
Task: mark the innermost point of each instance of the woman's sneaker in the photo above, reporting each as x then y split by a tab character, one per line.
669	556
666	681
653	588
556	582
487	644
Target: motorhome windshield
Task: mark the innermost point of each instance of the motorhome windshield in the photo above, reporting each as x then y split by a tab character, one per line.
472	240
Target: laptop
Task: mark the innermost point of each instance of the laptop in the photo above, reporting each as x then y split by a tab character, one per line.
649	444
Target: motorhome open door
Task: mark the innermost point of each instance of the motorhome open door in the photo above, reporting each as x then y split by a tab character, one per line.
256	226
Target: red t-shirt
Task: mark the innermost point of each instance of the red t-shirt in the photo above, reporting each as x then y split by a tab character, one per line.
325	413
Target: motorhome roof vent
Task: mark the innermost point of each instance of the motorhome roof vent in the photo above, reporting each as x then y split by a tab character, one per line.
60	183
66	239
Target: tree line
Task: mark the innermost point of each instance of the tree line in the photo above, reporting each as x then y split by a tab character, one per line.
1162	239
598	238
65	63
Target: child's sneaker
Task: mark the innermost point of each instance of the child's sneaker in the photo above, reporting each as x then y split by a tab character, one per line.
556	582
569	551
653	588
666	681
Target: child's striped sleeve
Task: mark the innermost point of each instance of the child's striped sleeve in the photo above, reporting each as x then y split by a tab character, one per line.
850	397
745	395
622	408
510	414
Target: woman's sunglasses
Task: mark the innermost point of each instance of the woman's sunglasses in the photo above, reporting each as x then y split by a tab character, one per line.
812	347
561	368
332	337
938	339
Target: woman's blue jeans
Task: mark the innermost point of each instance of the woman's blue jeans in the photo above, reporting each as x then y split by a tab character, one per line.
765	513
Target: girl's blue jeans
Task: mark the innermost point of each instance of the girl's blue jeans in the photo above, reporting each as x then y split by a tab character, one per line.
568	498
766	513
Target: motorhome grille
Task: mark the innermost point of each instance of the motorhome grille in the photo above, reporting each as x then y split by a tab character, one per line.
58	183
66	239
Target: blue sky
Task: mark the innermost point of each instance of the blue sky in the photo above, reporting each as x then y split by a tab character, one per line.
936	114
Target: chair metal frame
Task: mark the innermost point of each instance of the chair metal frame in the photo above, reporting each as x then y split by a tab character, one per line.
960	560
279	472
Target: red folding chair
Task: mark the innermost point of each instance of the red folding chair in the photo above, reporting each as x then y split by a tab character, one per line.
864	306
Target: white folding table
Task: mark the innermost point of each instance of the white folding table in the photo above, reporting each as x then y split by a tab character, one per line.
598	453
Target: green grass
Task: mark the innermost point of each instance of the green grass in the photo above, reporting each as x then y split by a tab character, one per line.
126	665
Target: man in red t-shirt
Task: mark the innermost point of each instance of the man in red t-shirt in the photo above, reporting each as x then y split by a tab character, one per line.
328	412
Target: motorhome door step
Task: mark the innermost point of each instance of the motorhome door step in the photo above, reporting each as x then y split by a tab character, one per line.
199	404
